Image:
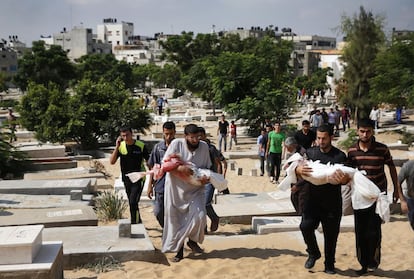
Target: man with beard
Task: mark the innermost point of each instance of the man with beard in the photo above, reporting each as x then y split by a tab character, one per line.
185	211
371	156
324	202
156	157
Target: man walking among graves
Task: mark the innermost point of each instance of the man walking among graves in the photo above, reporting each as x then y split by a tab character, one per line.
185	211
132	153
324	202
156	157
371	156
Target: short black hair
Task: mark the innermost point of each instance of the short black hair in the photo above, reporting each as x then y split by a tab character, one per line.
325	129
169	125
366	122
125	129
191	129
305	122
202	130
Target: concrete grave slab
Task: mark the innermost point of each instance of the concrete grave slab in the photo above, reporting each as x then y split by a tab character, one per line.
79	172
47	264
241	207
42	201
265	225
41	150
50	217
241	154
46	187
83	245
20	245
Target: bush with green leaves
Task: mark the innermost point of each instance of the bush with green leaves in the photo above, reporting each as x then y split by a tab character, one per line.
349	141
110	206
13	162
407	137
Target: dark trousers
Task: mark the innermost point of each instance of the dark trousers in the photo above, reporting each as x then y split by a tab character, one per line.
330	219
410	203
134	191
262	165
275	160
159	208
368	236
209	193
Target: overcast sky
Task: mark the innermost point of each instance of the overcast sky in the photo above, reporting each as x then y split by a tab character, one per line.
29	19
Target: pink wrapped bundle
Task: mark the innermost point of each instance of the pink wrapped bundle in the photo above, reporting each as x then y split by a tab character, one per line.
171	164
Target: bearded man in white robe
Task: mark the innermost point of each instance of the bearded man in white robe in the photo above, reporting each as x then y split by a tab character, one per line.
185	211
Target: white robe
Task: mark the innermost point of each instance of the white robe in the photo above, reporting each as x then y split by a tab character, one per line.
185	205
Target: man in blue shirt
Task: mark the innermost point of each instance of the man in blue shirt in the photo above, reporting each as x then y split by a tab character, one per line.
156	157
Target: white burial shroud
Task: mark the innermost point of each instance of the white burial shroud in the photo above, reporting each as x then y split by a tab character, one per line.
364	191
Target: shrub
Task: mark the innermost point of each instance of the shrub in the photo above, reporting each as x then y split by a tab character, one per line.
110	206
407	137
349	141
105	264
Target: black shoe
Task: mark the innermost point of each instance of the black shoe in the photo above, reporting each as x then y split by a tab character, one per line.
214	224
362	271
310	262
330	270
177	259
194	247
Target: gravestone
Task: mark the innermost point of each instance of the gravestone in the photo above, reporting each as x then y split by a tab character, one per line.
50	217
20	245
241	207
76	194
124	226
239	171
45	187
23	254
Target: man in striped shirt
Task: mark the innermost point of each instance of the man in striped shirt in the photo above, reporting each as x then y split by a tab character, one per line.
369	155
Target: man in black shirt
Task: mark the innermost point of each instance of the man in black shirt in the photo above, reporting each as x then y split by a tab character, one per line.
305	137
222	131
132	153
324	203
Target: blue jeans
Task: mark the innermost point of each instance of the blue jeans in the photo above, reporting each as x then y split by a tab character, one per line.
222	138
209	193
159	208
410	203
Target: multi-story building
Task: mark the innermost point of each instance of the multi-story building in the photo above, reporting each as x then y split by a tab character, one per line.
306	54
78	42
401	34
9	54
114	32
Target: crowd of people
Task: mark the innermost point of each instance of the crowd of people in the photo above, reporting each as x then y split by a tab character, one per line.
181	208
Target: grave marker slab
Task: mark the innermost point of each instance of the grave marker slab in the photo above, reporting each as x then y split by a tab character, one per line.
45	187
50	217
241	207
20	245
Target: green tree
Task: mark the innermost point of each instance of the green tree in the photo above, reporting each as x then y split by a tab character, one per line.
3	81
13	162
98	66
100	108
393	82
46	111
43	66
177	50
364	38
